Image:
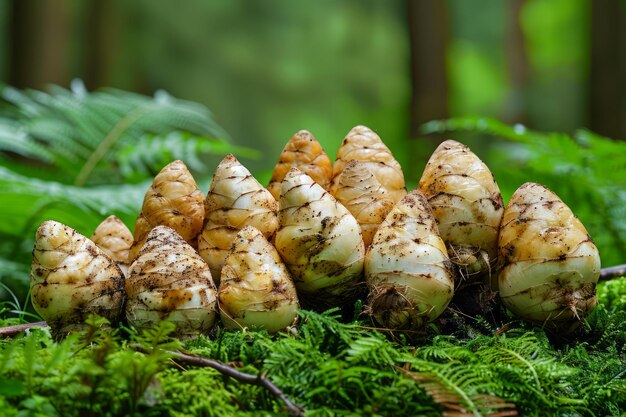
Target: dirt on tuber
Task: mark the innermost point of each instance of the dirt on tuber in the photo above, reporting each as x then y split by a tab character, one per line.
170	281
407	270
550	265
235	200
71	278
320	242
256	290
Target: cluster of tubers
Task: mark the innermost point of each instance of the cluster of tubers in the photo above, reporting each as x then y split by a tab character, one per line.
322	235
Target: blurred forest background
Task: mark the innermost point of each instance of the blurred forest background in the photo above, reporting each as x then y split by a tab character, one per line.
267	69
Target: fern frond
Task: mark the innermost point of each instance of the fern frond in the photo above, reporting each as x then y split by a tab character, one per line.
150	152
462	390
373	350
29	201
88	137
324	326
14	139
443	349
522	365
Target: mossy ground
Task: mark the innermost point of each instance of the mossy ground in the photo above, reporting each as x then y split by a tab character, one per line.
327	366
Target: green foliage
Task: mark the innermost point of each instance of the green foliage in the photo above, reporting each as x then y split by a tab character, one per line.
585	170
324	365
86	138
613	293
78	157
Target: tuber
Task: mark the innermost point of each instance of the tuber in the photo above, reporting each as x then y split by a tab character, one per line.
319	241
550	265
467	205
361	193
407	269
71	278
173	200
114	238
170	281
235	199
256	289
362	144
305	153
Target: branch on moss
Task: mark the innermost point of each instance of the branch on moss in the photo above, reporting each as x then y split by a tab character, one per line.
11	331
613	272
192	360
258	380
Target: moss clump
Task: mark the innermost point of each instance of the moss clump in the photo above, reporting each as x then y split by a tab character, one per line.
327	366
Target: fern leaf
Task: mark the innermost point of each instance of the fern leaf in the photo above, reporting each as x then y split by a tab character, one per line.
88	137
150	152
461	390
373	350
31	200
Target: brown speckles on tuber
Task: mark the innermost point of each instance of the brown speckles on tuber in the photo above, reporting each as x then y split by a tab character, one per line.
256	289
72	278
547	255
325	257
467	204
407	268
364	145
235	199
169	280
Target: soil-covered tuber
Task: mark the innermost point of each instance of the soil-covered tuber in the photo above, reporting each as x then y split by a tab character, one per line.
407	269
170	281
319	241
235	200
362	144
550	264
467	205
71	278
256	289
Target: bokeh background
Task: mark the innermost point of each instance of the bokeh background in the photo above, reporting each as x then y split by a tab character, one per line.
267	69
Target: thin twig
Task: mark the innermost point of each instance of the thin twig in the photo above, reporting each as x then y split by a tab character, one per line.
613	272
11	331
258	380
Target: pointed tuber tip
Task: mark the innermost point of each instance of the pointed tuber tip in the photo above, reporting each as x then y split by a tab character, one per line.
293	173
303	135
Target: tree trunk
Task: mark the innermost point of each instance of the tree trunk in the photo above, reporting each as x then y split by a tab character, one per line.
428	31
102	43
515	107
39	47
607	80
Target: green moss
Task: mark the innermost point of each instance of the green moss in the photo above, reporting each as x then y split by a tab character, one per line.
326	366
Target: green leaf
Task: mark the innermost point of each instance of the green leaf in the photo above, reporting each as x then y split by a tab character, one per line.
86	138
11	387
